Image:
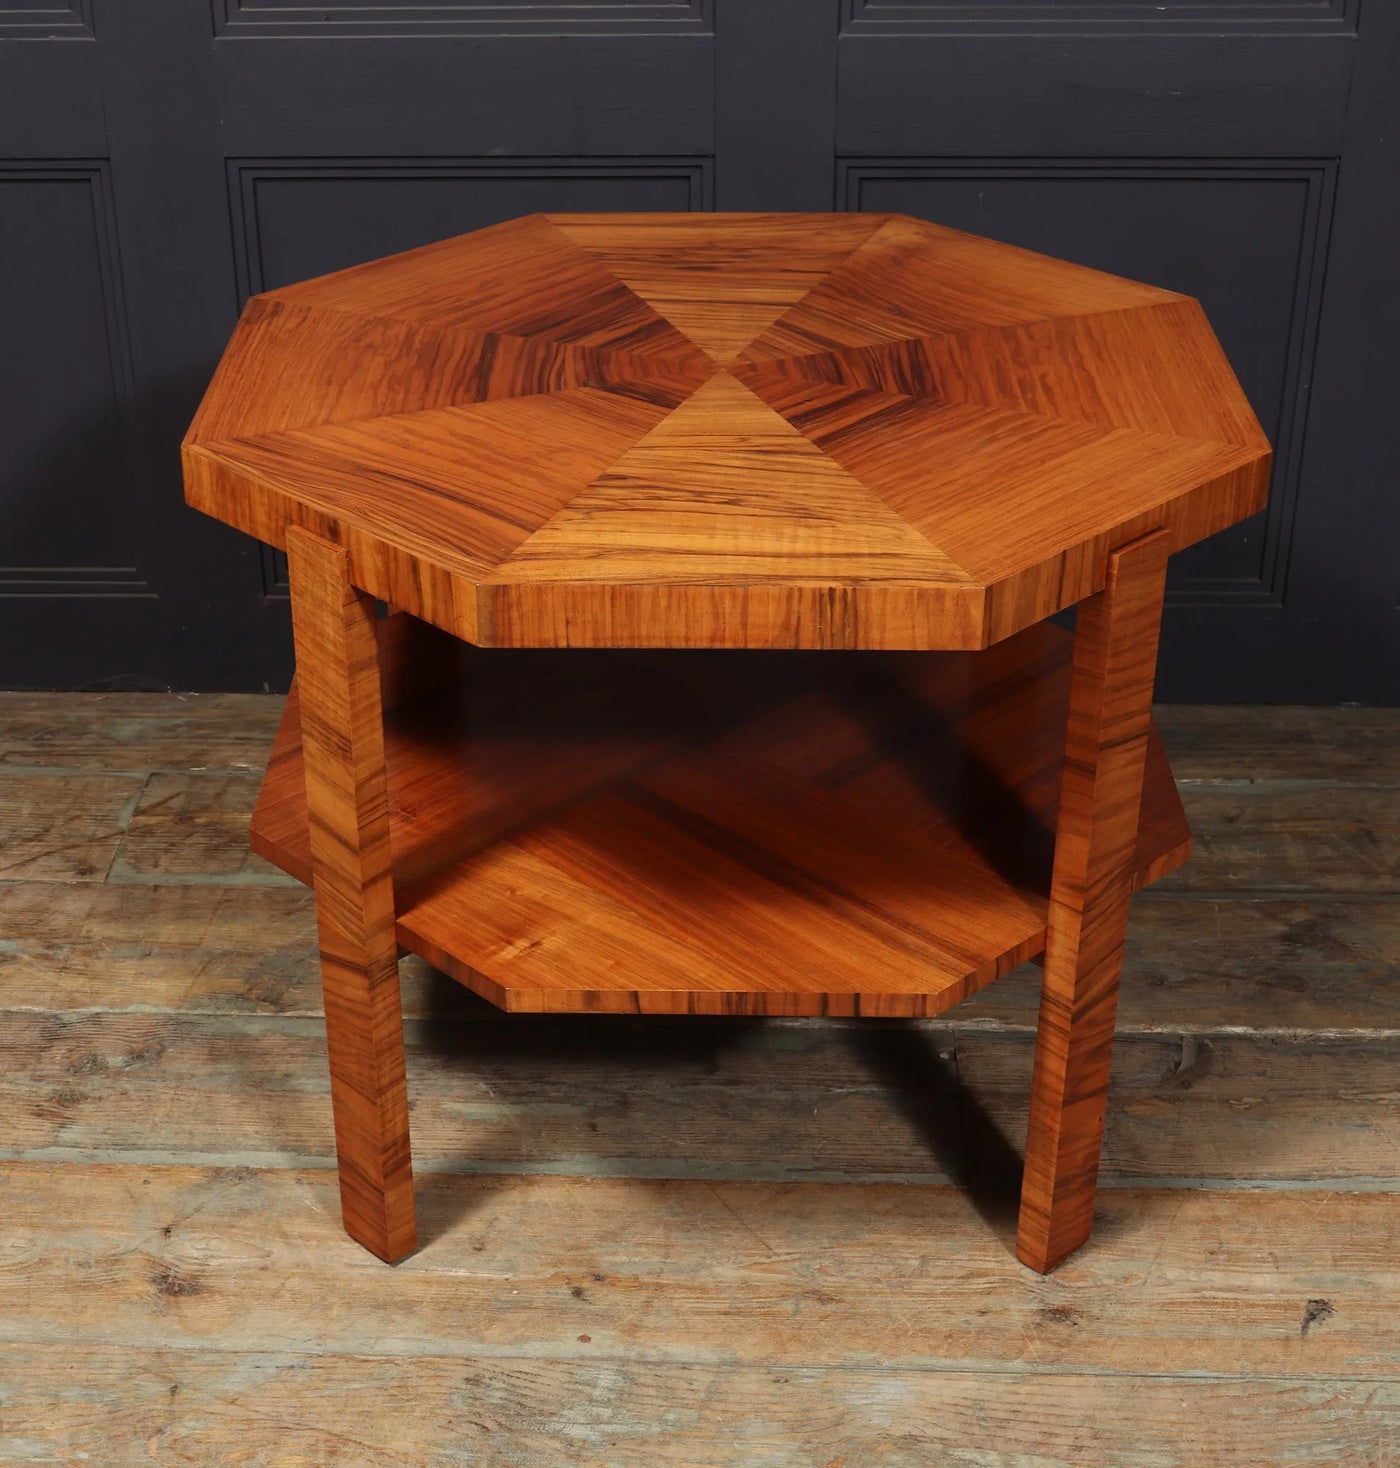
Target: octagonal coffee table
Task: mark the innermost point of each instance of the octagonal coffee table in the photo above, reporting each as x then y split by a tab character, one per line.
717	678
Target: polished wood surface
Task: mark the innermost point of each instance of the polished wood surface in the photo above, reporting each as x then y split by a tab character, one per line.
743	434
725	833
347	824
801	431
1101	796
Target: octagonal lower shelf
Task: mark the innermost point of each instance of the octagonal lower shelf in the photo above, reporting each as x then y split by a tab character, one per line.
720	833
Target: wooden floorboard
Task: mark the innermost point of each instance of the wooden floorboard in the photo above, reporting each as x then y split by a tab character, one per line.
281	1407
689	1243
64	827
1223	742
916	1103
761	1274
1195	963
137	731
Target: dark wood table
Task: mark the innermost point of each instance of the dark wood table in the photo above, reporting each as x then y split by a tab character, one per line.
718	678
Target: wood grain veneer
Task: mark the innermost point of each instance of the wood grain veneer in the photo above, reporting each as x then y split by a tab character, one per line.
743	430
728	833
1101	794
347	828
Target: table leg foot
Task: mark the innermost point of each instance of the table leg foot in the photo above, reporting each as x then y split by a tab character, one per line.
1100	794
348	813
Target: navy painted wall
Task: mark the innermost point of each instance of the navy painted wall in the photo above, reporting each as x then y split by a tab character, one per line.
160	159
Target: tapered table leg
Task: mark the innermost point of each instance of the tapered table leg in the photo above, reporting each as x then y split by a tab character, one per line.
1110	710
348	813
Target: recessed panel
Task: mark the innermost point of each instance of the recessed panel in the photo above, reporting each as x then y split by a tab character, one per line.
466	17
924	17
69	524
304	220
43	20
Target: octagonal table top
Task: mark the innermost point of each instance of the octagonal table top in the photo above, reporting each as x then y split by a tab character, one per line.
726	430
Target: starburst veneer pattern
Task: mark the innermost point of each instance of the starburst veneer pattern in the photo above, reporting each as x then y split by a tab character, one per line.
856	431
863	444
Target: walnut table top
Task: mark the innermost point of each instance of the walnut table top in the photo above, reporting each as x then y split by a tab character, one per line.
735	430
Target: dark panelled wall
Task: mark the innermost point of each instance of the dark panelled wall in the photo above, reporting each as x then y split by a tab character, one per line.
161	159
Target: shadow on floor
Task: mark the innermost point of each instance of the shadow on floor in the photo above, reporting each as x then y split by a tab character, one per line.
909	1063
965	1140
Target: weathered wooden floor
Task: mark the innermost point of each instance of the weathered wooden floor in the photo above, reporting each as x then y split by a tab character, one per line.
695	1243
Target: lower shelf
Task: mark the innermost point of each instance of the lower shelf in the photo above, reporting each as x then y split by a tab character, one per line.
720	833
